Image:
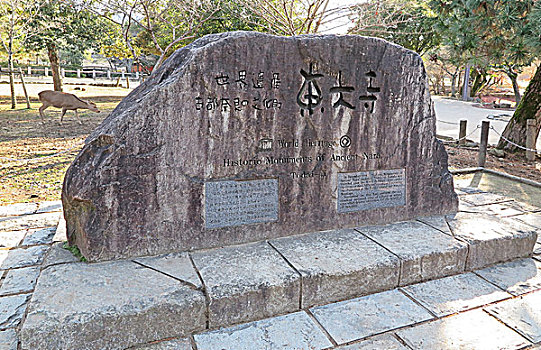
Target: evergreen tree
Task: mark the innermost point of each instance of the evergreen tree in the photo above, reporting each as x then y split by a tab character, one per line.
530	105
65	24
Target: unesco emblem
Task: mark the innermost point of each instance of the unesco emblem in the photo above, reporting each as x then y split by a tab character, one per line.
345	141
264	145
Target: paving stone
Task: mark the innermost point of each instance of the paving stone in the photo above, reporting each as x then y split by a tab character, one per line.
537	249
49	206
246	283
516	277
293	331
58	255
491	239
484	198
459	191
470	190
532	219
16	223
337	265
11	239
61	232
505	209
19	280
178	344
438	222
523	207
18	209
425	252
362	317
94	304
12	309
466	207
8	339
22	257
500	210
177	265
456	293
469	330
39	236
523	314
379	342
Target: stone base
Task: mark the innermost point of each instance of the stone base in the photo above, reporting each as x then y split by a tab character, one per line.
116	305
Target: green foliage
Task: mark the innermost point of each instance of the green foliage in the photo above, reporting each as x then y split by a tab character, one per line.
66	25
170	22
115	45
232	16
71	57
490	33
406	23
75	251
533	30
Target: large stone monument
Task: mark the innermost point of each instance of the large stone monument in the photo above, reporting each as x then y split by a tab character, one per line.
243	136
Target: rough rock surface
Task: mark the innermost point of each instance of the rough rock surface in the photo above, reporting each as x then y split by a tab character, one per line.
331	131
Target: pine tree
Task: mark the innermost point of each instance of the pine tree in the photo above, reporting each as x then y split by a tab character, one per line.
530	105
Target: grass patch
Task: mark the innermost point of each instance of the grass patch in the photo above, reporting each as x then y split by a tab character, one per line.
75	251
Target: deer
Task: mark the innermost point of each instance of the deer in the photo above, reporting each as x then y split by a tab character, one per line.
65	101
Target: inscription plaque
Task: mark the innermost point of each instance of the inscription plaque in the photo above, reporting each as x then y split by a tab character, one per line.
233	203
371	189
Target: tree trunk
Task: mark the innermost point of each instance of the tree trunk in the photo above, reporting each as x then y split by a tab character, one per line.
453	85
55	66
465	88
513	76
479	82
442	82
459	83
528	108
11	79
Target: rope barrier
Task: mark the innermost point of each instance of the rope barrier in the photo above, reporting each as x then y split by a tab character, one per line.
27	160
444	122
514	144
462	138
493	129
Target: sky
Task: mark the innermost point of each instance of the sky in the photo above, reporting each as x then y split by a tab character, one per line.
338	25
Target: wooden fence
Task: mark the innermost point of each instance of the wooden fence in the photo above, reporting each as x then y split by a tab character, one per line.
78	73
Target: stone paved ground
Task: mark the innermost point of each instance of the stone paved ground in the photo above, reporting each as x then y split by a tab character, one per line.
498	307
27	234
